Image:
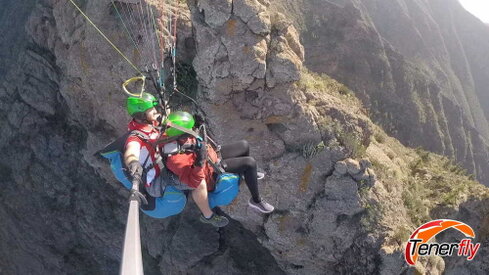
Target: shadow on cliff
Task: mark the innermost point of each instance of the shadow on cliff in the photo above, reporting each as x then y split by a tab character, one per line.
474	212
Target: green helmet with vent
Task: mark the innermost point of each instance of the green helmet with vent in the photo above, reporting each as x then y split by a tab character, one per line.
179	118
140	104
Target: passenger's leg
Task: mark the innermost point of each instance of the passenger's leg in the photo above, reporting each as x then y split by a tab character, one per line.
236	149
247	167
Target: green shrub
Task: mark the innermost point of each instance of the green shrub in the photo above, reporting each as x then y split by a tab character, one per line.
345	91
371	217
311	81
401	234
413	198
379	137
352	144
311	149
381	169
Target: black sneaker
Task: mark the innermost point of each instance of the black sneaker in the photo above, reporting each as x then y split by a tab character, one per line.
215	220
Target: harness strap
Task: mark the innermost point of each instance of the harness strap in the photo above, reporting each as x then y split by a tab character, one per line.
140	134
185	130
217	168
170	139
216	146
191	148
158	159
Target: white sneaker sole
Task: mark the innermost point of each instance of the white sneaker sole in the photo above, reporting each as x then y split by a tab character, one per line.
258	177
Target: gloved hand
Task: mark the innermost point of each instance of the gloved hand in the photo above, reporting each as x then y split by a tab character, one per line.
201	155
135	170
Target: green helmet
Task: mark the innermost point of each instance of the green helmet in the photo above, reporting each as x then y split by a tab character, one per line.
179	118
140	104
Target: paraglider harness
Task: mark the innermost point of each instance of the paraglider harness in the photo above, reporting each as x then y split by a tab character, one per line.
114	152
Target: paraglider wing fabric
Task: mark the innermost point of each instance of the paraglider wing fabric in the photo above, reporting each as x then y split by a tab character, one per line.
172	203
227	188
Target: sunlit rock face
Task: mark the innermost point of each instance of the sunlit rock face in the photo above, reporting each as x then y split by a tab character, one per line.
420	67
64	213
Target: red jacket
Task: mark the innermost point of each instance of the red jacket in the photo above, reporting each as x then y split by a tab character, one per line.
183	166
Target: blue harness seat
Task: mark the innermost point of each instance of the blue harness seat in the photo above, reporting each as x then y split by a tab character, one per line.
173	200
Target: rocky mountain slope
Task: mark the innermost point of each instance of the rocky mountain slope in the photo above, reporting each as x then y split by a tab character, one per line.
347	194
420	67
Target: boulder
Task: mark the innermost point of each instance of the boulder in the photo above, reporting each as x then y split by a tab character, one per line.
340	168
216	12
353	166
365	163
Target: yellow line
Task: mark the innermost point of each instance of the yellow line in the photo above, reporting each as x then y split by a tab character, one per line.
108	40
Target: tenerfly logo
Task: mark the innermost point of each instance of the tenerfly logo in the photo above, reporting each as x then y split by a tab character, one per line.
418	245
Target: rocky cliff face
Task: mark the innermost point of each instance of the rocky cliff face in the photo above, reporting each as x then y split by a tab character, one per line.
62	211
417	65
346	193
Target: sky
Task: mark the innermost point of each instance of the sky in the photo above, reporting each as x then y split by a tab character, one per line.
479	8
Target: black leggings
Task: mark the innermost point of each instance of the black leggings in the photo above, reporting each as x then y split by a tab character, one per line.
236	159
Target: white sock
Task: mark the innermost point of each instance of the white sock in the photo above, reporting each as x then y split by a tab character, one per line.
209	216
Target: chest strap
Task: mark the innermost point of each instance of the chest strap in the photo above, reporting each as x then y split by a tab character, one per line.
191	148
158	159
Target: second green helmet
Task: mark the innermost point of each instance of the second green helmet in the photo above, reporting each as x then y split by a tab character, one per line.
182	119
141	104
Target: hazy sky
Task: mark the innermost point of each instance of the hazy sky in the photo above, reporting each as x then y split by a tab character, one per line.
479	8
